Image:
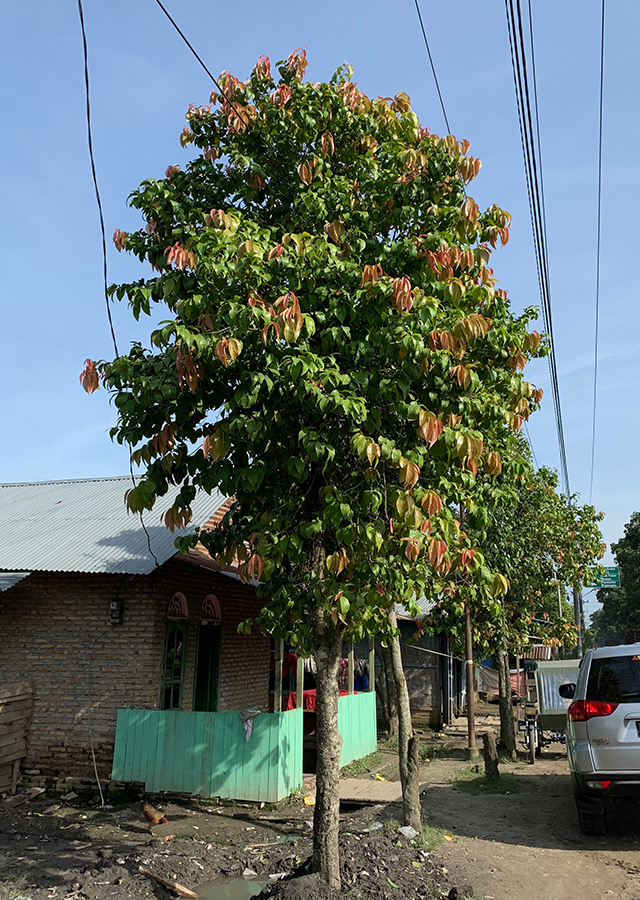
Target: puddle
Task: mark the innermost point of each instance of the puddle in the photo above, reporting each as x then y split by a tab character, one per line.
233	889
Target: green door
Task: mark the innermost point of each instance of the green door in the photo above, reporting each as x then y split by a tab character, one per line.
205	694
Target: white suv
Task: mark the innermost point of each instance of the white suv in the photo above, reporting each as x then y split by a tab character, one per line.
603	732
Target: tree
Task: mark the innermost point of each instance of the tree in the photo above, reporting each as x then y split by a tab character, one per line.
542	541
620	610
338	359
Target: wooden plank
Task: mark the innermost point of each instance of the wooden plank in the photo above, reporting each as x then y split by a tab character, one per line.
16	709
11	736
19	799
10	691
367	790
13	751
357	725
119	750
6	771
14	776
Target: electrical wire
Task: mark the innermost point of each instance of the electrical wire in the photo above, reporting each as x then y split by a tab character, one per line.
533	452
95	177
433	68
104	266
273	162
597	309
444	113
528	121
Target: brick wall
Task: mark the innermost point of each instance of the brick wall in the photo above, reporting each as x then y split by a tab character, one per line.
55	629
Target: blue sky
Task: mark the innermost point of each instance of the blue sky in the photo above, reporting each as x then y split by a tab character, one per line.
142	80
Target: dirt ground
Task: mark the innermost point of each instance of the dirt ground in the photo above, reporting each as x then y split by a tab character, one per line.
523	844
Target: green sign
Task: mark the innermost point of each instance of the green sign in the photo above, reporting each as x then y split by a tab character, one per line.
610	579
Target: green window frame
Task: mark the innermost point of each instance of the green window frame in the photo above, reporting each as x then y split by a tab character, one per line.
174	659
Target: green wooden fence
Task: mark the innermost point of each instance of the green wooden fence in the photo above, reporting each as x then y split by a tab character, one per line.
206	753
357	725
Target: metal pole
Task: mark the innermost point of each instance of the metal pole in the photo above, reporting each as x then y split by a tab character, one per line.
471	712
578	619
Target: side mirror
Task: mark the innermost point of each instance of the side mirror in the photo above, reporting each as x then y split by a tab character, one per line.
568	691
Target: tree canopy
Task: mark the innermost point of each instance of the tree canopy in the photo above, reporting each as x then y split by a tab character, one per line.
620	610
543	542
338	346
338	357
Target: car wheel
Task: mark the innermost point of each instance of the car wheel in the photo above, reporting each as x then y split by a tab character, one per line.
592	823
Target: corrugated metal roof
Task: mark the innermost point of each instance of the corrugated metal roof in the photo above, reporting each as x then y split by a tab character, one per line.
83	526
425	608
8	579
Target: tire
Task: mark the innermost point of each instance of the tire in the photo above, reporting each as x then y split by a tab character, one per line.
592	823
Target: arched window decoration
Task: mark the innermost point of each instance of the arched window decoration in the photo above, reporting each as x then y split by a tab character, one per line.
210	610
178	609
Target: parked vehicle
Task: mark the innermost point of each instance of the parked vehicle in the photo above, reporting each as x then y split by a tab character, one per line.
603	732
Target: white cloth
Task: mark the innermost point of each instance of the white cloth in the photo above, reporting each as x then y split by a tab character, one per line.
247	716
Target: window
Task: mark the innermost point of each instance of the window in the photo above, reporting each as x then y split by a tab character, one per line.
173	666
615	679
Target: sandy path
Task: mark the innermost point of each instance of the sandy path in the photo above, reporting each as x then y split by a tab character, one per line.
528	844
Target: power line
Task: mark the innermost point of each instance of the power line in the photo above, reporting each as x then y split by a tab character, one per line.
95	177
597	310
444	113
104	262
433	68
285	180
530	139
533	452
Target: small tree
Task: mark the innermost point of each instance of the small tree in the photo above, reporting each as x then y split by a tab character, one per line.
620	610
338	359
541	541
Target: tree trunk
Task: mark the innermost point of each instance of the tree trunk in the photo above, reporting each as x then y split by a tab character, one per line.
407	740
326	817
391	692
490	752
507	726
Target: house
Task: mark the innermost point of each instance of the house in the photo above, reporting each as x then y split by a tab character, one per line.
134	652
434	675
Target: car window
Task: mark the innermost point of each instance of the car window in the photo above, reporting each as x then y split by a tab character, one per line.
614	679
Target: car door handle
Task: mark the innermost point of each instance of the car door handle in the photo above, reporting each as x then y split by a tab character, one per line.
631	716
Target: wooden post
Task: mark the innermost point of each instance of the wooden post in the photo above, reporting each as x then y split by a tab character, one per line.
471	712
372	665
517	678
277	690
14	776
491	771
351	669
299	682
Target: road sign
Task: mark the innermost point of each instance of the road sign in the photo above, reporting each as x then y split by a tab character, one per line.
610	579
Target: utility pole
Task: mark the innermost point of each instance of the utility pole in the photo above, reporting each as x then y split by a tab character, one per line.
471	712
577	614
